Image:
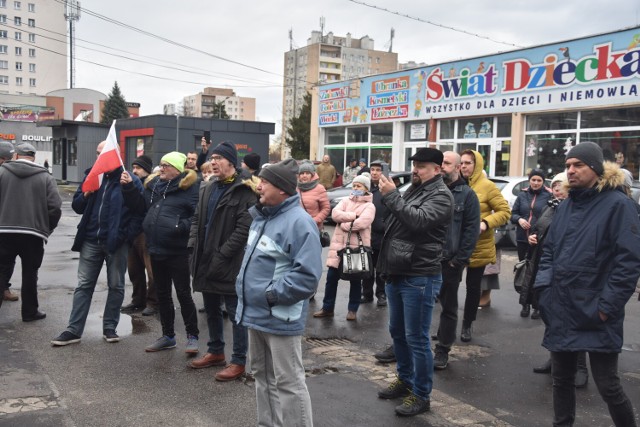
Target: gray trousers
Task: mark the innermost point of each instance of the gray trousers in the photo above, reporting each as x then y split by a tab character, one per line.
281	390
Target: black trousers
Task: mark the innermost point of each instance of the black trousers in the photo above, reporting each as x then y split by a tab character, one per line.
168	269
30	249
474	290
451	277
367	284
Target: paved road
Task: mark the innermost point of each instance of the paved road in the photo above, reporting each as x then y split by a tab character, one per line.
488	383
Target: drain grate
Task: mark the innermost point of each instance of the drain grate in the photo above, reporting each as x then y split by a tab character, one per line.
326	342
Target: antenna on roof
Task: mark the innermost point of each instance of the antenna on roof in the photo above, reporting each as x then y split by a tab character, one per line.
322	26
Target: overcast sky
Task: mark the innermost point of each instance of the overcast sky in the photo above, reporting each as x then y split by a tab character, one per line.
255	33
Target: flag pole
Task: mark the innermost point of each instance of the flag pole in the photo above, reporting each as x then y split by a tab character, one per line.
113	129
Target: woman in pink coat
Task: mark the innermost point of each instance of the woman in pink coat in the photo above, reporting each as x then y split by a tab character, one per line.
358	211
313	194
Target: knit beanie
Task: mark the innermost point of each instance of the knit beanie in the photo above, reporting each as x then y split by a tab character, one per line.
227	149
536	172
6	150
144	162
175	159
307	167
590	154
561	177
363	179
252	160
283	175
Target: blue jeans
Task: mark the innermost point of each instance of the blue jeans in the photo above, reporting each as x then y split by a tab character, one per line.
92	256
215	322
331	290
411	301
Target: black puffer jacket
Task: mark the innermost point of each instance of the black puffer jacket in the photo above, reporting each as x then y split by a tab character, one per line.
168	211
215	263
416	229
529	205
377	226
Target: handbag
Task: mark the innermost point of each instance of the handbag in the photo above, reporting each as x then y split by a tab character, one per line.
355	263
325	239
522	275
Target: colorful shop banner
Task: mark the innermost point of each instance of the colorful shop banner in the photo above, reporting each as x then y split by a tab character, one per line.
26	113
600	70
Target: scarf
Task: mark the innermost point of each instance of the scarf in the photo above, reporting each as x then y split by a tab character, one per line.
306	186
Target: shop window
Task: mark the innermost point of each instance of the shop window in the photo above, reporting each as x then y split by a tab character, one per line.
380	153
416	131
356	153
504	126
447	129
503	157
72	159
616	117
547	152
334	136
337	158
552	121
618	146
475	127
359	134
57	152
382	134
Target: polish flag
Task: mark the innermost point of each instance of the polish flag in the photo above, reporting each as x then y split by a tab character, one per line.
108	160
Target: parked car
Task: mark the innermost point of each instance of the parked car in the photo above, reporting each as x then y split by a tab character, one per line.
510	187
336	194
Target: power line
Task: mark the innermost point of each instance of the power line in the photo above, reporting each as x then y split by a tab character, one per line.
404	15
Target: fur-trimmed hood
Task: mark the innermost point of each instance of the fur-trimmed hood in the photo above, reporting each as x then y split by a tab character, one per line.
189	178
252	183
611	178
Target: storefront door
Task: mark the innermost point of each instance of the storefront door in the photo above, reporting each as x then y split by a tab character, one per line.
485	148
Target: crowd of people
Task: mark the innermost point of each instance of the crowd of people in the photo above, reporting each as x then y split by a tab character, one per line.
249	239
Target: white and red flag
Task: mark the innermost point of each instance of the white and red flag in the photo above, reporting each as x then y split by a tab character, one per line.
108	160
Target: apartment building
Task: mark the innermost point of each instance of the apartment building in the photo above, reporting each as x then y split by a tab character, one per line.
203	104
33	47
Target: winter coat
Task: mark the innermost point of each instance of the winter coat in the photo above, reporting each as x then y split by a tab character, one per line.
168	212
377	226
29	199
316	203
463	231
416	229
529	205
355	213
108	209
590	264
280	271
349	174
327	174
494	211
215	262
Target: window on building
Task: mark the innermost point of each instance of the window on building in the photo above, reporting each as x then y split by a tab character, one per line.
416	131
32	53
72	158
4	65
3	48
18	35
382	134
57	152
18	81
32	7
334	136
504	126
32	22
3	3
17	21
18	51
32	38
32	82
3	19
18	66
32	68
3	34
17	5
4	80
475	127
358	134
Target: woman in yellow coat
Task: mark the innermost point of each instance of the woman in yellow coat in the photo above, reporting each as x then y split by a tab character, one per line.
494	212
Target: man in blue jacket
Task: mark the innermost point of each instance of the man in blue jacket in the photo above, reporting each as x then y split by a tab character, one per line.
280	271
588	271
105	233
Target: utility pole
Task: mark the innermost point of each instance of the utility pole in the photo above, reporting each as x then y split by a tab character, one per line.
72	14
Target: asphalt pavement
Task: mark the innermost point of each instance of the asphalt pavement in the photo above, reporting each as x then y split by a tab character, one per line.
489	381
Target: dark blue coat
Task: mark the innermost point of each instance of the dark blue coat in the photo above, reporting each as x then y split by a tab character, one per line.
590	264
529	205
107	207
464	229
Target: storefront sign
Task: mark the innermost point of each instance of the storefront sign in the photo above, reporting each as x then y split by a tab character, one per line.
26	113
595	71
36	138
419	131
8	136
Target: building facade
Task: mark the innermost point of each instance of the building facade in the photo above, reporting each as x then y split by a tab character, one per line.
31	61
522	109
204	104
328	58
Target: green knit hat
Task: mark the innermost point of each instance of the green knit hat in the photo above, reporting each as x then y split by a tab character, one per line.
175	159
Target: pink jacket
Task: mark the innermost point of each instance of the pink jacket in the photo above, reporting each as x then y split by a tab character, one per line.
316	203
357	210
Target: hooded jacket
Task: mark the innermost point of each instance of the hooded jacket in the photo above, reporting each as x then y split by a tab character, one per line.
215	262
355	213
168	211
281	268
529	205
494	211
29	199
416	229
590	264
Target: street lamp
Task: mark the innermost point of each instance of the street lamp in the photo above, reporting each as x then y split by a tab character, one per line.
177	131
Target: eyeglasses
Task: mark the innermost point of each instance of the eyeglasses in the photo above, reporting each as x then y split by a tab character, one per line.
215	158
164	165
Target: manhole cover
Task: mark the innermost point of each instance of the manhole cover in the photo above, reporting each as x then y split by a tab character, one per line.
326	342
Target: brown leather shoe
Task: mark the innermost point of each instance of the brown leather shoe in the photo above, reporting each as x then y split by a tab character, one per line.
323	313
351	315
230	373
9	296
208	360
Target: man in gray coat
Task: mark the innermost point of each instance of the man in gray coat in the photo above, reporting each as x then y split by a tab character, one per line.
29	212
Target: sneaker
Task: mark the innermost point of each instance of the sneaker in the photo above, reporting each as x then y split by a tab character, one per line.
397	388
366	300
440	360
382	301
465	335
149	311
65	338
131	308
192	345
110	335
162	343
386	356
413	405
535	314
